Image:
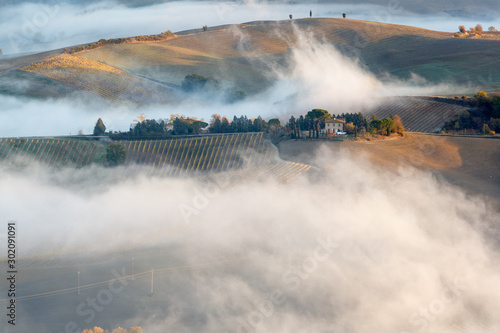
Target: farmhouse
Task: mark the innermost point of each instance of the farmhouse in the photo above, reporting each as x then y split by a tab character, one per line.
334	125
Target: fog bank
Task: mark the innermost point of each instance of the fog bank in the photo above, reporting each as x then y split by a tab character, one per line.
356	250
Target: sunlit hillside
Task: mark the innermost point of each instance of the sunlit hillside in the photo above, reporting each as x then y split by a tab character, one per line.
245	55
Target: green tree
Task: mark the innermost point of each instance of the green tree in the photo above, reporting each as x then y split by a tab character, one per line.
216	124
115	154
274	122
225	127
481	98
180	126
196	126
387	126
259	124
318	114
197	82
495	106
375	126
99	128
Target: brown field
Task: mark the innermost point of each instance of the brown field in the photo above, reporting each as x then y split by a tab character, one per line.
471	163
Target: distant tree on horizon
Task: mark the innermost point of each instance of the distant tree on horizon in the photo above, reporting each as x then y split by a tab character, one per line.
461	28
343	15
99	128
492	29
479	29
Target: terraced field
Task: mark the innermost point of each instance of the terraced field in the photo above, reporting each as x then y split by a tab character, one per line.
48	152
245	156
215	153
418	114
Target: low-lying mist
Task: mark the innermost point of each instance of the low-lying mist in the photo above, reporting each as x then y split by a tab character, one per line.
354	249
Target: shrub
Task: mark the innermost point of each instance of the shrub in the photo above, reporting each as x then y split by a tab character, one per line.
115	154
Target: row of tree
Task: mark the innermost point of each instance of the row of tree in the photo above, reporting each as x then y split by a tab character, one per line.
477	30
241	124
387	126
143	128
314	121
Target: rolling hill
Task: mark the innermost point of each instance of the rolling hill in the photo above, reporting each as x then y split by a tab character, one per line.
241	54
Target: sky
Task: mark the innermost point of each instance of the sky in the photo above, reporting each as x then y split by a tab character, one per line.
32	27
